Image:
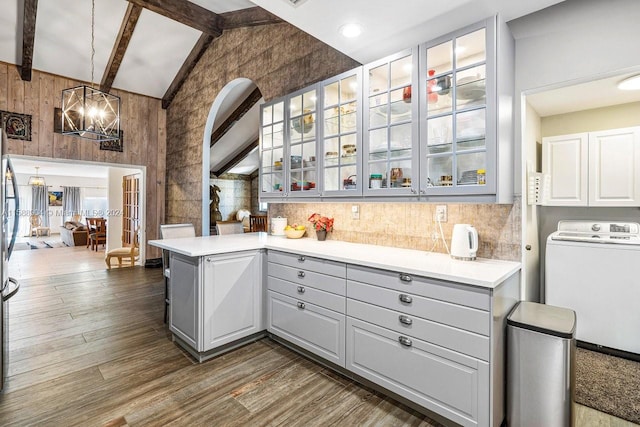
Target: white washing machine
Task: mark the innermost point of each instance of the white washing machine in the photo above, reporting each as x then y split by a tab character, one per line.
593	268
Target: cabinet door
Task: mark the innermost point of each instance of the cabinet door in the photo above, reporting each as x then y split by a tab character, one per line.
390	121
231	297
301	142
614	167
341	148
458	112
440	380
565	159
307	325
272	150
184	290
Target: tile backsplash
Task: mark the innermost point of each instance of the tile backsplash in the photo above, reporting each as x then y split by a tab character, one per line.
412	225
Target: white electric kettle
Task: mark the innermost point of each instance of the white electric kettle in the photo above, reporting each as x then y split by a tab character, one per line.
464	242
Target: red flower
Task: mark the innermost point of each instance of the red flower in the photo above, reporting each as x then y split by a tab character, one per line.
321	222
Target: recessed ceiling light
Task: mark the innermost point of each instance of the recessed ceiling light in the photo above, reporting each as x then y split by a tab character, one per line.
351	30
630	83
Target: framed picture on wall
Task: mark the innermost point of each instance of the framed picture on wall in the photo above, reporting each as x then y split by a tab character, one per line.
17	126
55	198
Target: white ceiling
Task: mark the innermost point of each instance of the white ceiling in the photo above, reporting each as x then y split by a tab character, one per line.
583	96
48	168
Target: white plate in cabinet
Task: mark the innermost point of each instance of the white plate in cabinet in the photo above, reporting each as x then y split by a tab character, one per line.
302	276
430	288
465	342
448	383
471	319
324	266
308	294
307	325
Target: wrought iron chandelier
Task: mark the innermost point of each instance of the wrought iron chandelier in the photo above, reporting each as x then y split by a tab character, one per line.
37	180
88	112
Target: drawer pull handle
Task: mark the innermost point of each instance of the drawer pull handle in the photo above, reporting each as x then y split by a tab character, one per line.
301	258
405	298
301	289
405	277
301	305
405	341
301	274
405	320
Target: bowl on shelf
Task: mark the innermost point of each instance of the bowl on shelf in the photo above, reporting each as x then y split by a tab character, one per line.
294	234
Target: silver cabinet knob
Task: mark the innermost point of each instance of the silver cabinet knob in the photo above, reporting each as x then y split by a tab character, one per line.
405	298
301	274
301	289
301	258
405	341
209	259
405	320
423	191
414	191
528	247
405	277
301	305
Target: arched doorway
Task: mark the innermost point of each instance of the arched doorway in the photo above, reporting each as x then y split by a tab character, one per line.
230	134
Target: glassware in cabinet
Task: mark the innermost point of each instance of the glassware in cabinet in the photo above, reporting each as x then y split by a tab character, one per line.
391	125
341	150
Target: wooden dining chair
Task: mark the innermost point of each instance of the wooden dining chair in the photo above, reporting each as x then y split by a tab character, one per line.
97	229
131	252
257	223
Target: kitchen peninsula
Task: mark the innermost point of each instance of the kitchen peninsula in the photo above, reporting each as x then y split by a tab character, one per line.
423	327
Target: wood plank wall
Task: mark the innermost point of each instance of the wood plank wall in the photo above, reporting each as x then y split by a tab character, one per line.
279	58
142	119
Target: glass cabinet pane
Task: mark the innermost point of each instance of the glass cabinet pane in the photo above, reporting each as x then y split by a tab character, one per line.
440	59
440	171
469	167
470	129
272	148
471	49
401	70
302	143
470	87
379	79
340	145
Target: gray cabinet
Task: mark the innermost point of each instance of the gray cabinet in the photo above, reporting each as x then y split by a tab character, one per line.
466	113
306	303
438	344
215	300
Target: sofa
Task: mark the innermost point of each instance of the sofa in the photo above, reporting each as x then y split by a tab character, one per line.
74	233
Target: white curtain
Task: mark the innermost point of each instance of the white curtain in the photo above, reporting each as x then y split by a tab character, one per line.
24	224
71	202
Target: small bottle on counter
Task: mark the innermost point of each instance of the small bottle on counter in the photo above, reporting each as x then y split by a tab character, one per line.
482	177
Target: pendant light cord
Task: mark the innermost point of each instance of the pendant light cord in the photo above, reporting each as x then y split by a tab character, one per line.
93	48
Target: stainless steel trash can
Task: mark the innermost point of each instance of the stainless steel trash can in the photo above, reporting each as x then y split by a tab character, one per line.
541	349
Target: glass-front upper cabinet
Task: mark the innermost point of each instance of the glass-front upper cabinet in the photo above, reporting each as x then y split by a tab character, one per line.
458	112
301	163
390	152
272	149
341	149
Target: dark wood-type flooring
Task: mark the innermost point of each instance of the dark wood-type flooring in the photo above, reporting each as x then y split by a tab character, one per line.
90	349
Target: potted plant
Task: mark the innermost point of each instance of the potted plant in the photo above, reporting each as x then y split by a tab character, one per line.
322	224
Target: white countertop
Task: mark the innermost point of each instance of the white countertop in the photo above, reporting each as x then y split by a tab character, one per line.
487	273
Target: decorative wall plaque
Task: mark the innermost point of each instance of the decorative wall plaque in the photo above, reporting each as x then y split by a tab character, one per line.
17	126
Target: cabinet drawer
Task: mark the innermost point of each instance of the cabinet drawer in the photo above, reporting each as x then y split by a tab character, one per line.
431	288
332	268
309	326
302	276
471	319
445	382
436	333
308	294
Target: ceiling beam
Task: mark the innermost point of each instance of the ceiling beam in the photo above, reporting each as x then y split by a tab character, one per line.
28	38
237	114
185	12
237	159
120	47
194	56
249	17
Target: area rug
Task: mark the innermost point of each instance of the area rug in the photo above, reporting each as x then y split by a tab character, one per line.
55	244
609	384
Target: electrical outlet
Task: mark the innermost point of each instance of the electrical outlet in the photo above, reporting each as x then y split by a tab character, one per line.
441	213
355	212
435	236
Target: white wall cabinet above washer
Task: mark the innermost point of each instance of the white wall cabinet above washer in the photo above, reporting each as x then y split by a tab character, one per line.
593	169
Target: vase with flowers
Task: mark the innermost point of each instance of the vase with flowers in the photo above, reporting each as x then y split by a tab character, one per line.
322	225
